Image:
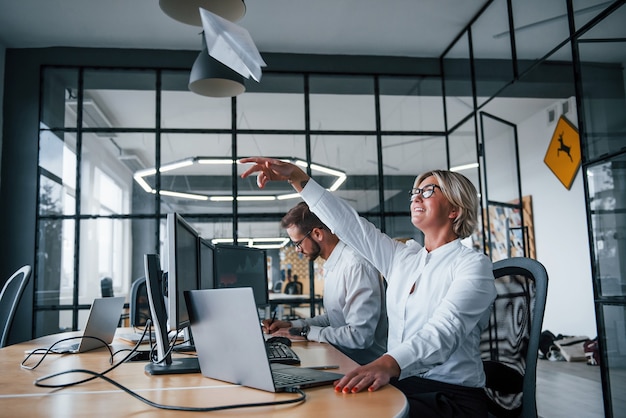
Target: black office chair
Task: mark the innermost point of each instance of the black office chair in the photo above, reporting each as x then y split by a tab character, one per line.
106	287
9	299
278	287
293	288
139	305
510	344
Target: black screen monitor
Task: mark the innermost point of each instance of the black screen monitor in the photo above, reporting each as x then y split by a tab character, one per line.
239	266
206	267
182	268
163	364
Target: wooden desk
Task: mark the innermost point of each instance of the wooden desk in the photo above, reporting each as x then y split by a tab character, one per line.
20	397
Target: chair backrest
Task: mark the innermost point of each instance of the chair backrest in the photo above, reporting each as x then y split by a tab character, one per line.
9	299
278	286
106	287
139	305
510	343
293	288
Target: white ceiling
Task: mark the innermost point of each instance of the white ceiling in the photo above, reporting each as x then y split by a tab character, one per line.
372	27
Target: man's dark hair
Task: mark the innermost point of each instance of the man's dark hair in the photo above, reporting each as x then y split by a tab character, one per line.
302	217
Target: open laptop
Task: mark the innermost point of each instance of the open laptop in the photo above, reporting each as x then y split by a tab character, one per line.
102	321
231	347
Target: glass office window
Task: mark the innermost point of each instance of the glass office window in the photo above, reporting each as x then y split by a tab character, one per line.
57	174
348	167
214	229
278	197
112	160
404	158
196	173
491	46
104	252
585	10
607	190
55	239
183	109
59	95
615	328
463	156
411	104
457	78
500	159
539	27
119	99
269	235
112	248
277	102
603	85
342	103
401	228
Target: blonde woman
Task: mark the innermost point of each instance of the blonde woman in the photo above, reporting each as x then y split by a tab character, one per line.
438	295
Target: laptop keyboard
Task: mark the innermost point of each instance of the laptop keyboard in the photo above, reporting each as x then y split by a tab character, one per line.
283	379
278	352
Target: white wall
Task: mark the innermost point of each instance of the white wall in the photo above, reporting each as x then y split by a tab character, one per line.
561	230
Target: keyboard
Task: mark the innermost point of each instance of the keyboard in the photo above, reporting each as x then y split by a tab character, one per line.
278	352
283	379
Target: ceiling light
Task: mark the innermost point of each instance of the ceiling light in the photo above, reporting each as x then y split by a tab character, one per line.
242	198
215	161
267	243
140	178
184	195
186	11
341	176
464	167
176	165
209	77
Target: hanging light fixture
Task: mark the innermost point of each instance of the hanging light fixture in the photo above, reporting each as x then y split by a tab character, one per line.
186	11
209	77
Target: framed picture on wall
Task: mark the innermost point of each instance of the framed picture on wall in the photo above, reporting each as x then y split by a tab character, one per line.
510	232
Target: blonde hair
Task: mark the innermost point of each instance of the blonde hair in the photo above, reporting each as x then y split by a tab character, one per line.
462	194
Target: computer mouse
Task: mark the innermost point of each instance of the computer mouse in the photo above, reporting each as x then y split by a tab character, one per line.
283	340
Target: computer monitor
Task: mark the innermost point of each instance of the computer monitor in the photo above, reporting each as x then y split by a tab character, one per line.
239	266
182	268
163	364
207	267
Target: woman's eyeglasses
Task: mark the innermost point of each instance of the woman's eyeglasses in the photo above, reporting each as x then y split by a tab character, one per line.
426	191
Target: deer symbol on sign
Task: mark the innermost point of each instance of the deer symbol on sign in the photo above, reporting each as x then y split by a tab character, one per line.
563	147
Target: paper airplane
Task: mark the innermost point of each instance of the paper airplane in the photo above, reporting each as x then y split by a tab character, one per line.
231	45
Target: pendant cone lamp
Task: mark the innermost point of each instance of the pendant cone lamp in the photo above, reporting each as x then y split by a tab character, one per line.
209	77
186	11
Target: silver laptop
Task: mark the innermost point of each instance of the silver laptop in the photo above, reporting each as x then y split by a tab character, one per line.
231	347
102	321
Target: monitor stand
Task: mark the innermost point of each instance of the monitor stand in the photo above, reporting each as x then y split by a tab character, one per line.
167	365
188	345
177	366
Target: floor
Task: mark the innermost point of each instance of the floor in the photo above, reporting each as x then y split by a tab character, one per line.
566	390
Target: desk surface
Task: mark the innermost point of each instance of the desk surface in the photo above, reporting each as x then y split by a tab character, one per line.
20	397
287	296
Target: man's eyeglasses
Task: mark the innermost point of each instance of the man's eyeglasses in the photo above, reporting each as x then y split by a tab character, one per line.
426	191
298	244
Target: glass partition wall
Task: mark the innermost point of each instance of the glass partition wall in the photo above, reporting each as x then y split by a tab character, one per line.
120	148
602	107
